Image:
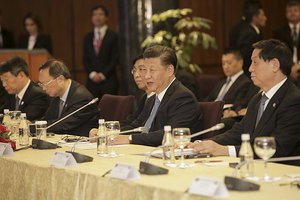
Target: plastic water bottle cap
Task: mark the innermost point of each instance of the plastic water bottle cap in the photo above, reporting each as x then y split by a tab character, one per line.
245	136
23	114
5	111
101	121
167	128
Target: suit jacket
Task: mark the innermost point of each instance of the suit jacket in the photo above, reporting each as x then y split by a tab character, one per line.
105	62
81	122
34	102
284	34
43	41
178	108
241	37
8	39
235	95
279	120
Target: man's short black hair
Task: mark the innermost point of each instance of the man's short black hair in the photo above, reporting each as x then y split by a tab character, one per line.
99	6
56	68
139	57
293	3
250	9
271	49
14	65
237	54
166	54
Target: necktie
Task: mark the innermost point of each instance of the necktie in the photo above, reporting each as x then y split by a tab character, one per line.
295	41
1	39
224	91
17	103
261	109
97	42
152	115
61	106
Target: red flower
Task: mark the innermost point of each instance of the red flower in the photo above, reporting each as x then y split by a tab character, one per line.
4	136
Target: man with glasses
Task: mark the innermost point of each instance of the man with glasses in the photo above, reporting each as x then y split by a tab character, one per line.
68	96
24	94
174	104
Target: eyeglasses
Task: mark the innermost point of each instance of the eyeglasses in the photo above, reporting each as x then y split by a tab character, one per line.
46	84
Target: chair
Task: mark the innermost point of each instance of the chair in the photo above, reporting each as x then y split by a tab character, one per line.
206	82
212	114
114	107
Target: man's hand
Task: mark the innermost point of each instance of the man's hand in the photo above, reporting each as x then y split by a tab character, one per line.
229	113
121	139
294	72
210	147
93	133
97	78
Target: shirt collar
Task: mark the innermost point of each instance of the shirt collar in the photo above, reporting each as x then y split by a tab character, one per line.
274	89
256	28
22	92
161	95
65	95
102	31
234	77
291	25
150	95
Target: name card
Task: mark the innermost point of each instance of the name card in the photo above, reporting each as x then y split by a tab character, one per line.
208	187
5	149
63	159
125	172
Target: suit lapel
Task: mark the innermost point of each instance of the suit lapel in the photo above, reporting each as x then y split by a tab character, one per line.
26	96
69	97
271	107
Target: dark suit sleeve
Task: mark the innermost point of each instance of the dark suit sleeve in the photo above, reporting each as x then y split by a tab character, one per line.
182	111
86	53
109	69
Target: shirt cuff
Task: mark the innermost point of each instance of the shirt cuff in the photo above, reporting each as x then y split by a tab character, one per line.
231	151
92	74
102	76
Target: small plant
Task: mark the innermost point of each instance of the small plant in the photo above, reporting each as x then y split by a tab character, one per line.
188	34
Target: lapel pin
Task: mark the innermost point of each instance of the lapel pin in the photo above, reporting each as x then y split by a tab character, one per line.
274	105
22	102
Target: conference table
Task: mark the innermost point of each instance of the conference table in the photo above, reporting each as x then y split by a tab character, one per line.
29	175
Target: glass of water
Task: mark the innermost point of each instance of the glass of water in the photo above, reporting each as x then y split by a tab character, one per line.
112	130
182	138
265	148
41	131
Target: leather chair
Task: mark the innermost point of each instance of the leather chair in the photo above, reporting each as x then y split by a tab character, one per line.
117	108
212	114
206	82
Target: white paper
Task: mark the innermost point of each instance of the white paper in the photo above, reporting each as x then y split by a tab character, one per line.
63	159
125	172
208	187
5	149
158	153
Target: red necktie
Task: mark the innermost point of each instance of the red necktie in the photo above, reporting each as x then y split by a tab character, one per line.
97	43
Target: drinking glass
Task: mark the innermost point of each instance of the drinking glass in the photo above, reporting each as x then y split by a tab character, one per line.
182	138
15	122
112	130
265	148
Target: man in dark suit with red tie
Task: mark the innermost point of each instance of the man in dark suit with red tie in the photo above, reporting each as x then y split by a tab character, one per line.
100	55
277	116
24	94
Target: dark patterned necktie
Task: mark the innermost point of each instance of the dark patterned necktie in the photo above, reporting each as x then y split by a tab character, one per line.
261	109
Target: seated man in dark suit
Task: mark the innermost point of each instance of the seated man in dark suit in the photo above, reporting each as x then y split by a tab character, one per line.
173	105
273	112
138	65
24	95
68	95
232	89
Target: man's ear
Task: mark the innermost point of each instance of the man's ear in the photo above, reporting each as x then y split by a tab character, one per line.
275	64
171	70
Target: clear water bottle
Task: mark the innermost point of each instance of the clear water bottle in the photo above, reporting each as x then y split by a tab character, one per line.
168	147
102	140
246	155
6	119
23	131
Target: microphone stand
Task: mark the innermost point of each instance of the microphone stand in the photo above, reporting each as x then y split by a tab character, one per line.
213	128
41	144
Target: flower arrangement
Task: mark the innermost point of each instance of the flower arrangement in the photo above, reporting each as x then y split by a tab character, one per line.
5	136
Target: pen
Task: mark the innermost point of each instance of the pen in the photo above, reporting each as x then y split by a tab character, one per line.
207	161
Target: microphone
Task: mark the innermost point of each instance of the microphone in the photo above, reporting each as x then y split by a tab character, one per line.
139	129
41	144
213	128
80	158
72	113
150	169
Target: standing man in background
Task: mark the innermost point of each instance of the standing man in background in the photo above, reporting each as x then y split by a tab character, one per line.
247	31
100	55
6	37
289	34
